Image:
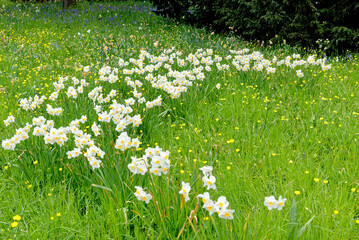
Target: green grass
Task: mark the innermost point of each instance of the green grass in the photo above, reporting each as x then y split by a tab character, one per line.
264	134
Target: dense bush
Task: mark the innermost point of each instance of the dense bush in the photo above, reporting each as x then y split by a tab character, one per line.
330	25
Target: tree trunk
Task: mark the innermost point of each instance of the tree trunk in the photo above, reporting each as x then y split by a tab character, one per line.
68	3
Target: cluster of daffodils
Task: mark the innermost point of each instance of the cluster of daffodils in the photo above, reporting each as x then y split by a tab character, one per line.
53	111
221	205
108	75
208	179
120	115
142	195
160	163
10	119
96	95
156	102
272	203
299	73
20	135
59	136
185	191
32	103
124	142
96	129
72	91
163	73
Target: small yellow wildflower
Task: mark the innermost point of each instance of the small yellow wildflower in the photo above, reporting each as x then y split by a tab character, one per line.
14	224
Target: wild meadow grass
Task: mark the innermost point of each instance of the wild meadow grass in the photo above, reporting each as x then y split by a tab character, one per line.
288	133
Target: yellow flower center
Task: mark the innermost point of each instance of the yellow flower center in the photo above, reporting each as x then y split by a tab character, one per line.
270	203
226	214
204	200
210	208
144	198
281	204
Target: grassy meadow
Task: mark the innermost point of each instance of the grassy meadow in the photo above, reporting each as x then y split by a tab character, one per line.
270	120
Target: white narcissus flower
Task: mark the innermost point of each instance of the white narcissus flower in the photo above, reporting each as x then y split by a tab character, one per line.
146	197
205	197
281	203
299	73
222	203
226	214
185	190
138	191
270	202
218	86
96	129
206	170
142	195
209	182
95	163
210	206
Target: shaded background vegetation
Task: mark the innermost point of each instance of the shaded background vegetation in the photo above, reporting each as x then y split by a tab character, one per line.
328	25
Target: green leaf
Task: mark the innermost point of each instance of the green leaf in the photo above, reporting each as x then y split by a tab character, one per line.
99	186
293	220
301	231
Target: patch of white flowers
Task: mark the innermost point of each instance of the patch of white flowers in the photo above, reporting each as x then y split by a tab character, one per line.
272	203
221	206
173	80
10	119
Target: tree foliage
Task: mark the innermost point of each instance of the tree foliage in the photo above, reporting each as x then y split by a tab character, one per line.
330	25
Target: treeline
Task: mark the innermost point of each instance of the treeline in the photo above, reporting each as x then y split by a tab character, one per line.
330	25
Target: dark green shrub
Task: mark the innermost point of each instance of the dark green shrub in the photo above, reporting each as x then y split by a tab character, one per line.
330	25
